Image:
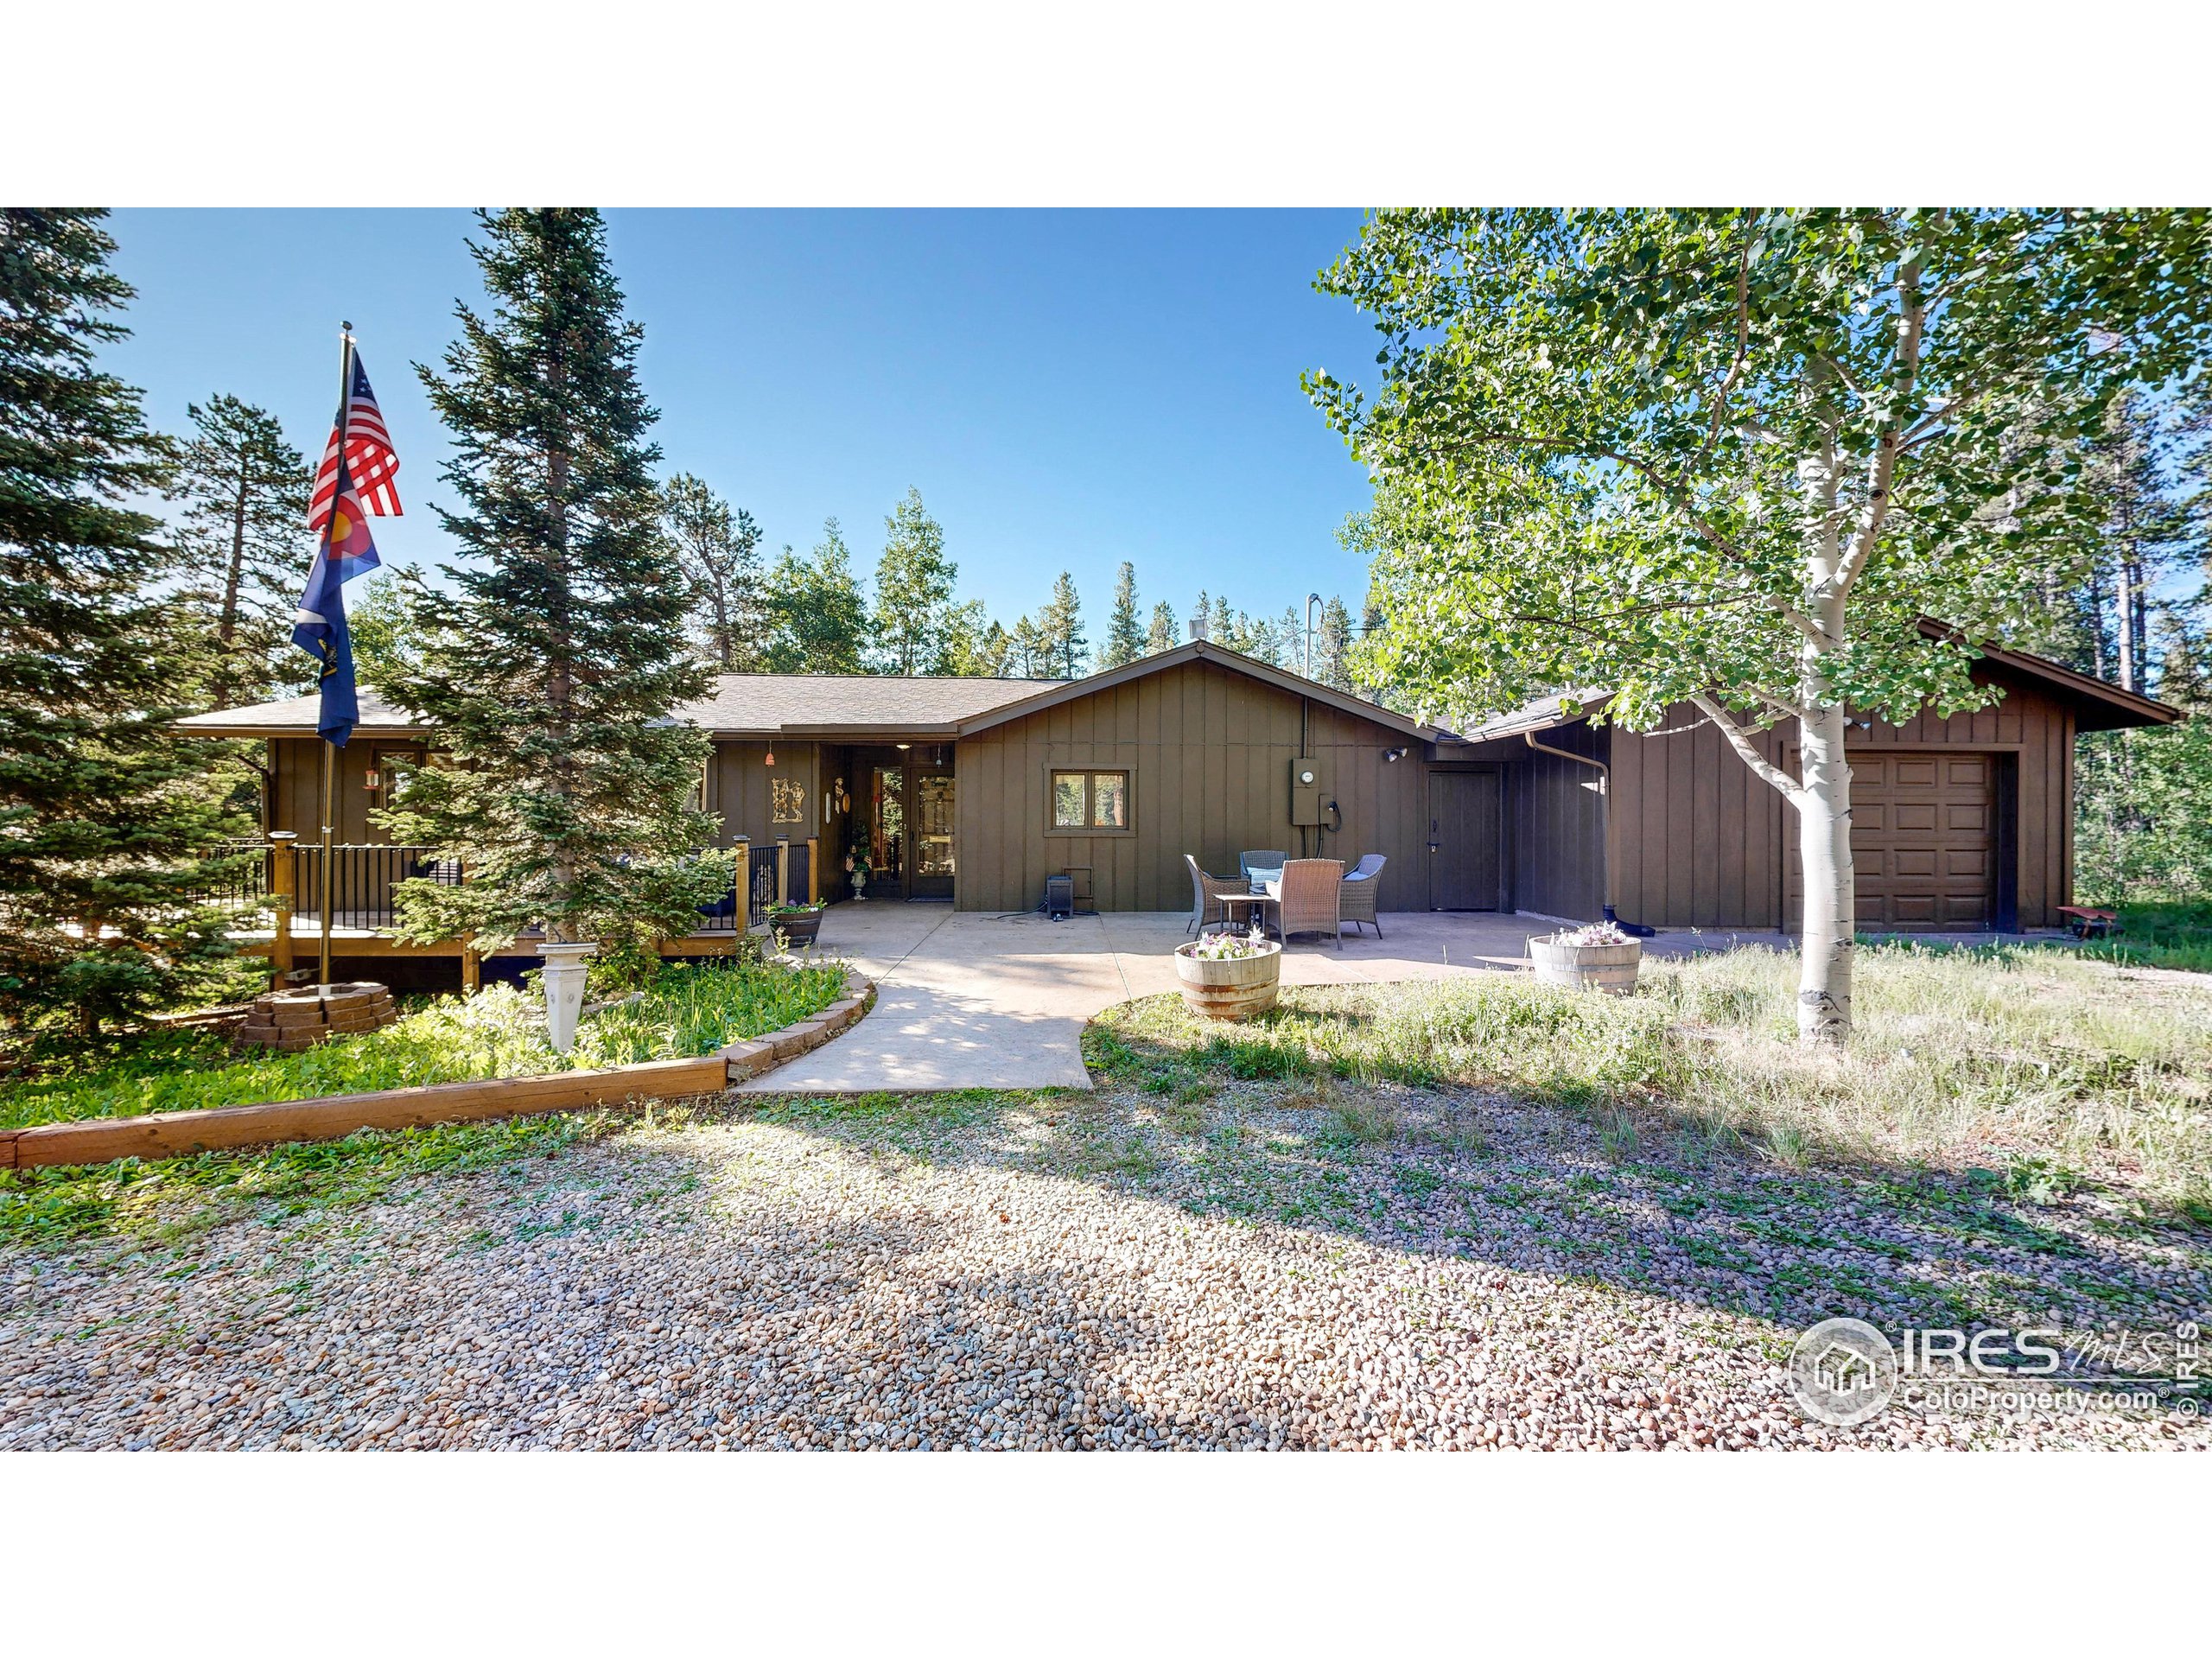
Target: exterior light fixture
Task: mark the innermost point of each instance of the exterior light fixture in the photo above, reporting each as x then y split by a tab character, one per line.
906	746
1394	755
769	760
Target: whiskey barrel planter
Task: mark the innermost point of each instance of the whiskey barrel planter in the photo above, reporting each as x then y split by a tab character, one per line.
1235	987
1608	968
795	927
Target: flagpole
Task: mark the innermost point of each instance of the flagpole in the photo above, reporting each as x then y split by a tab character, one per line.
330	749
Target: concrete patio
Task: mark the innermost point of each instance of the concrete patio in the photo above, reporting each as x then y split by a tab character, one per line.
967	1000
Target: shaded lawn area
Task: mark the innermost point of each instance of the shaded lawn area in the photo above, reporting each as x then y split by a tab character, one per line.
689	1010
2178	935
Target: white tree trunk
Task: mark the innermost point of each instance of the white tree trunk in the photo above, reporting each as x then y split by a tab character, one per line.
1831	921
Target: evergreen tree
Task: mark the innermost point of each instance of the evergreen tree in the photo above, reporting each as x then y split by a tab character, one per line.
1201	614
975	646
1221	626
1124	639
718	552
103	813
1290	637
1028	648
1161	635
1062	647
817	618
913	590
243	533
553	665
1332	646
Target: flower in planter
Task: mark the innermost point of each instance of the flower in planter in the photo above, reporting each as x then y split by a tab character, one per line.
1227	947
1595	933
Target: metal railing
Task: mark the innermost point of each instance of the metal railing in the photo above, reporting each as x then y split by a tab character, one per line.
244	877
363	879
361	883
762	892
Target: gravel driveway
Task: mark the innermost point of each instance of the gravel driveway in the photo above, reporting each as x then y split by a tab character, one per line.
1263	1269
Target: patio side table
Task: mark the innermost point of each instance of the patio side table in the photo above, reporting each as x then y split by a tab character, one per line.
1255	903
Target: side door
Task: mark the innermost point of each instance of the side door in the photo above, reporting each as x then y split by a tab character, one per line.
1463	840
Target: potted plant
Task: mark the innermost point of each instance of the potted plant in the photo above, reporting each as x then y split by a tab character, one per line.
1600	956
796	925
1229	975
856	864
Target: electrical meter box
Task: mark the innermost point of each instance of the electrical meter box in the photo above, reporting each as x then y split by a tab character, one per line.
1306	792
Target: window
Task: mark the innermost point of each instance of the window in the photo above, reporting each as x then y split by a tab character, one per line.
1090	802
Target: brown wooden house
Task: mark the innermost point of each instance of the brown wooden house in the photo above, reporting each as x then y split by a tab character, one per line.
972	791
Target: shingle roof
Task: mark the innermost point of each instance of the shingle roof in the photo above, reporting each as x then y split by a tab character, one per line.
766	705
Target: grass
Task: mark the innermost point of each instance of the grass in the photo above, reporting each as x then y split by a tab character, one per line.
2045	1067
500	1032
2160	936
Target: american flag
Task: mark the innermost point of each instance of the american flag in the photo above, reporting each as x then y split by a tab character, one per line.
369	459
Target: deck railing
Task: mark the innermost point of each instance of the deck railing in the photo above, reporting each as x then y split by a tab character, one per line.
361	883
263	874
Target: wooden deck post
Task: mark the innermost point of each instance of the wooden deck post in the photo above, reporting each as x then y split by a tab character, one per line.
285	882
472	969
813	870
742	875
783	869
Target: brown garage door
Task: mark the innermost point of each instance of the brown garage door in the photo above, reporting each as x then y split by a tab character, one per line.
1923	840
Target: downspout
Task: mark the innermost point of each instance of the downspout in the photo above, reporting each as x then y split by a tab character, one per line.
1604	794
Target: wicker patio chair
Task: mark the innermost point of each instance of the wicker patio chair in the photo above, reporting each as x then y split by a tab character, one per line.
1206	891
1308	896
1355	902
1251	862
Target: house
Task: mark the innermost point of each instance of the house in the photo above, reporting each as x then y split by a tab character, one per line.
974	791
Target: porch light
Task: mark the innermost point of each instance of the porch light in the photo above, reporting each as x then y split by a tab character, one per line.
906	746
769	759
1394	755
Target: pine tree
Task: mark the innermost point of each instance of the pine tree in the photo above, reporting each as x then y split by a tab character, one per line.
1161	635
1221	625
913	589
1332	646
243	533
1124	639
1028	650
818	617
975	646
1062	646
718	552
555	659
103	813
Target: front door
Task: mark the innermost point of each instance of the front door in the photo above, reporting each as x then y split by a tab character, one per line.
933	839
1463	835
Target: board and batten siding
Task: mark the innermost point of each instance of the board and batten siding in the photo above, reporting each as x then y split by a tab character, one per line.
1698	841
1556	835
1209	753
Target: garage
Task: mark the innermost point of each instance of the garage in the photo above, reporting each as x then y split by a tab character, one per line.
1923	842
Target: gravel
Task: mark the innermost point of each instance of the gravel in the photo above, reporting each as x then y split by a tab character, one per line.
1256	1270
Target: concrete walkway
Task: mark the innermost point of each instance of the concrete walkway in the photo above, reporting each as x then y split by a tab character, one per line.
967	1000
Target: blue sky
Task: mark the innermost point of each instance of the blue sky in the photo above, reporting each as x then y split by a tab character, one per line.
1067	389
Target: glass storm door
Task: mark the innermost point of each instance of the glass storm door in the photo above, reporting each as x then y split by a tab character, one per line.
933	852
